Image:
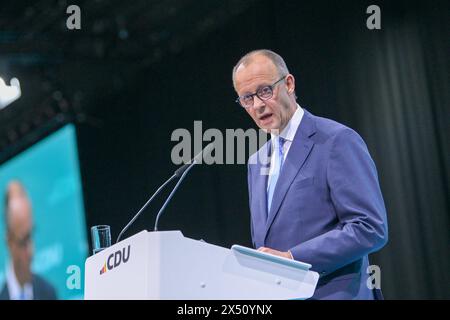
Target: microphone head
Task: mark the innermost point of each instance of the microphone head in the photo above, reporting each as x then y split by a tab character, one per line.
197	159
204	153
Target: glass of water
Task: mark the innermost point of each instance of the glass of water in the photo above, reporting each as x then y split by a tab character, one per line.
101	238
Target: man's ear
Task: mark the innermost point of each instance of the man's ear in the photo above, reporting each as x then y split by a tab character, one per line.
290	83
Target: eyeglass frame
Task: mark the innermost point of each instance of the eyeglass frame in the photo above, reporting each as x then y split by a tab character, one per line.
272	86
23	242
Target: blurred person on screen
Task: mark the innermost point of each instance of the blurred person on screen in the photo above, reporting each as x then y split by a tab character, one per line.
21	283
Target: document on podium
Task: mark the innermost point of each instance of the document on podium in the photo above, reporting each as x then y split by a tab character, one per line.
270	257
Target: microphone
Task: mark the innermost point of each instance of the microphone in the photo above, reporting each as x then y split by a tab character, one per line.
183	171
207	150
145	206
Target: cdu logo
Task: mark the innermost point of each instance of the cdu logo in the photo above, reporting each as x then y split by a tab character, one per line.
115	259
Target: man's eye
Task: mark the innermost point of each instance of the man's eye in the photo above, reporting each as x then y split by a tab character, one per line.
265	90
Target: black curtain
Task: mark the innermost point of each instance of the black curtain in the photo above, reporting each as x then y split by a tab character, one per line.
391	85
395	86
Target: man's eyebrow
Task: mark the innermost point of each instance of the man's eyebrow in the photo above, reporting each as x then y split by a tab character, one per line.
248	93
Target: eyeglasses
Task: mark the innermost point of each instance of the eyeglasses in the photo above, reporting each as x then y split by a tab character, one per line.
263	93
22	242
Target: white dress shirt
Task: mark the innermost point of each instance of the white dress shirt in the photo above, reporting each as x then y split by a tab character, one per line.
288	135
16	292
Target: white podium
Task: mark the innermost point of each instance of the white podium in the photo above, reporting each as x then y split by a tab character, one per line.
167	265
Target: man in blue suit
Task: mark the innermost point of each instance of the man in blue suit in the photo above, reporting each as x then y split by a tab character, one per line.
21	283
313	188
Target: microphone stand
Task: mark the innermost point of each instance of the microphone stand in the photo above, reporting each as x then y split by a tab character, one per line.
145	206
182	171
172	193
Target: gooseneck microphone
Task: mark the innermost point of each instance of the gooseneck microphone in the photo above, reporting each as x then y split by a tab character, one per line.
145	206
184	170
180	172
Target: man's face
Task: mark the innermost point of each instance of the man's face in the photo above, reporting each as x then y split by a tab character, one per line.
19	237
272	114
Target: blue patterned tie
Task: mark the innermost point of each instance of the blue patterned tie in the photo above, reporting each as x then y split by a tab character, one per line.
278	163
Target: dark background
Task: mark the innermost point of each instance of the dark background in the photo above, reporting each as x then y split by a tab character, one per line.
137	71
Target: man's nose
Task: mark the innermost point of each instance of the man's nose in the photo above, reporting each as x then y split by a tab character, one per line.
29	248
258	104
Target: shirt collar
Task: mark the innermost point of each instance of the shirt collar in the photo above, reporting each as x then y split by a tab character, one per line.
14	287
289	131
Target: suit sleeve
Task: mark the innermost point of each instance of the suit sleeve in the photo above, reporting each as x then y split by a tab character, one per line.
356	196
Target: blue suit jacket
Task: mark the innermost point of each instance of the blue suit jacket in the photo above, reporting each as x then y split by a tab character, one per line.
327	208
42	290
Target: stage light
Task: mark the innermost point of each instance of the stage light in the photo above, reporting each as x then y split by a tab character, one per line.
9	94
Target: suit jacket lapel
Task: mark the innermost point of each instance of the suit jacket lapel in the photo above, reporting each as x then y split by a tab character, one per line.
261	176
260	188
298	152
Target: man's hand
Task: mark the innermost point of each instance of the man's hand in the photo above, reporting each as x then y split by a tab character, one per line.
284	254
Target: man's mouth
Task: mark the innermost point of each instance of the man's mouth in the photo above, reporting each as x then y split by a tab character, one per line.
265	117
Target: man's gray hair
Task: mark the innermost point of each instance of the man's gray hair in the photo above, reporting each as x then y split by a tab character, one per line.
276	59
